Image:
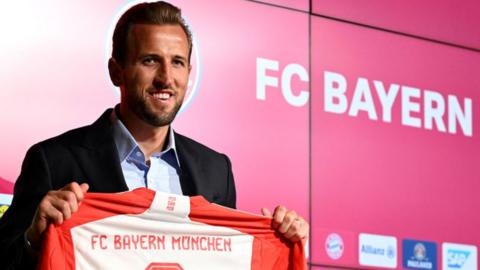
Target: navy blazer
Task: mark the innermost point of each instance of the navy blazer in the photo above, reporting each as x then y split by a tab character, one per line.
89	155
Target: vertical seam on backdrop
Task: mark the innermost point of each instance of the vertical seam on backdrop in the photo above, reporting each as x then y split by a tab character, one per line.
310	132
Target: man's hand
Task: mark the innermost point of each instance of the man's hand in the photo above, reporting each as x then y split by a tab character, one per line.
289	224
56	207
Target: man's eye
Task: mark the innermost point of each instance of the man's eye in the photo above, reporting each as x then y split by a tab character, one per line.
179	63
149	61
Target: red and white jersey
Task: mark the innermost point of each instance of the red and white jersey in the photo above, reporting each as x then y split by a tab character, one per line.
144	229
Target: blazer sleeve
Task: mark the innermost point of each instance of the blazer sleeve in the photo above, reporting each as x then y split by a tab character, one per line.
30	187
231	195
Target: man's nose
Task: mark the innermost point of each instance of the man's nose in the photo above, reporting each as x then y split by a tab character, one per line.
164	76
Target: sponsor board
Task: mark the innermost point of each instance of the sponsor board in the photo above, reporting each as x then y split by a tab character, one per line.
459	257
334	246
377	250
419	254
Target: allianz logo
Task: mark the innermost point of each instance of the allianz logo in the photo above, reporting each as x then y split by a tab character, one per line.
372	250
457	258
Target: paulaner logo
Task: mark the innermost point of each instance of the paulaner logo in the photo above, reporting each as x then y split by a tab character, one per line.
459	257
419	254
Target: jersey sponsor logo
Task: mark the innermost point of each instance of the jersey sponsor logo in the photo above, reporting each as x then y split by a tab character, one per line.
334	246
377	250
459	257
419	254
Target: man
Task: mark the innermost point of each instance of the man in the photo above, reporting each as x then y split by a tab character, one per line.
128	147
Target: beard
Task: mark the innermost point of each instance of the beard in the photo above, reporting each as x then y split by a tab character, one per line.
140	107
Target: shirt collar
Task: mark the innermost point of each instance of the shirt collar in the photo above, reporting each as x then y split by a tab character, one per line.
126	144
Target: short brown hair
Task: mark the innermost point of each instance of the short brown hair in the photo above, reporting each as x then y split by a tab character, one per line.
146	13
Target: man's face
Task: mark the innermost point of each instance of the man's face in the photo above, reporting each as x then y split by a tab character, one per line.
154	77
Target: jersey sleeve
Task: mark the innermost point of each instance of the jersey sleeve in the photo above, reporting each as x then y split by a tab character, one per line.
52	255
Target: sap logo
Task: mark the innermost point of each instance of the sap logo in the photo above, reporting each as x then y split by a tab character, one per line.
459	257
377	250
288	72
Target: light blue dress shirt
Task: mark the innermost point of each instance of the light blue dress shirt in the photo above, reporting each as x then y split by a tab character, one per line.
162	174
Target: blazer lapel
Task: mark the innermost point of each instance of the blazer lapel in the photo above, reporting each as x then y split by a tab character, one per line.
189	169
98	156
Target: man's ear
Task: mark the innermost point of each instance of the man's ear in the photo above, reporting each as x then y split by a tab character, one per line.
115	71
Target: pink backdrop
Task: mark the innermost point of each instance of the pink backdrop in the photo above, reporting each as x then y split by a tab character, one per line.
387	177
448	21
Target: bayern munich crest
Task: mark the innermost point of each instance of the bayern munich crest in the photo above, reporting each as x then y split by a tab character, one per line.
334	246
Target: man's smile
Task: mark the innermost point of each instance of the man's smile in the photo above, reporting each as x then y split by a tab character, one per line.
162	95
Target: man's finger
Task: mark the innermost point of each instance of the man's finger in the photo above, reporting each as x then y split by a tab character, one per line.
70	197
295	230
76	189
84	187
288	219
279	215
48	213
63	207
266	212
